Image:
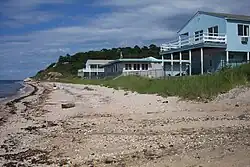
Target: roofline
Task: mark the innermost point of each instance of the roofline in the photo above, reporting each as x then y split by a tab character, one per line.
90	61
188	21
98	60
198	12
130	60
215	15
236	19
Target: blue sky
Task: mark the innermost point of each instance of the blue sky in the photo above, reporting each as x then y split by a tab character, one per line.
34	33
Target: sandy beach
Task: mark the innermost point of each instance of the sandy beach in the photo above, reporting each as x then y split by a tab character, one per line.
108	127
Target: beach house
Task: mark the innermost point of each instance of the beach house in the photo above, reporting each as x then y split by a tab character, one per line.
148	67
206	43
93	69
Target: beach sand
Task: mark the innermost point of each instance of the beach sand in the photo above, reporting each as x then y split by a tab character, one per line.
108	127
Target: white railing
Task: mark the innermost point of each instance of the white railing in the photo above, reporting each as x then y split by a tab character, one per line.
197	39
91	70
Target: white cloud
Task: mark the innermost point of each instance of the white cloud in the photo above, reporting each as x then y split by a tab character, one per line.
19	13
129	23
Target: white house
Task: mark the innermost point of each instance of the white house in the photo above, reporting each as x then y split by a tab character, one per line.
93	69
149	67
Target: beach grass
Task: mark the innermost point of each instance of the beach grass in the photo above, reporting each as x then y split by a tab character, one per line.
188	87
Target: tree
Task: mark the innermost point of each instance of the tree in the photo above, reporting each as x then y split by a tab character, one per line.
153	47
144	48
68	65
137	49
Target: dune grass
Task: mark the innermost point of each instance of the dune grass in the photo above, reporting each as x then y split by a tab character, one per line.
188	87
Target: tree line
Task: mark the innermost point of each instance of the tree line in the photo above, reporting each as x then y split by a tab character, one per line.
69	64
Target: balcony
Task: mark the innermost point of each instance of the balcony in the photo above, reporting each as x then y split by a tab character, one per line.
205	38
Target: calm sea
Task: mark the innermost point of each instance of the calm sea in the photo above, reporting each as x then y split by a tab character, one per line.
9	87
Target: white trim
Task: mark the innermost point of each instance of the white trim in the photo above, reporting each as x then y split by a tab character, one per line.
221	38
227	57
202	65
172	64
180	64
190	62
247	56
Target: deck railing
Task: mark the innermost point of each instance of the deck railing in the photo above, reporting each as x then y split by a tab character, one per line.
196	39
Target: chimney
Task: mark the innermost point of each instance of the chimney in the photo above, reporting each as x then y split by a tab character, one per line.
121	56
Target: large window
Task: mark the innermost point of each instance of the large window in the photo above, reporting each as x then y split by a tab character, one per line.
136	66
213	31
144	66
243	30
198	35
128	67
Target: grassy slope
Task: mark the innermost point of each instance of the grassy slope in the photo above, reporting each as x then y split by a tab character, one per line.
203	87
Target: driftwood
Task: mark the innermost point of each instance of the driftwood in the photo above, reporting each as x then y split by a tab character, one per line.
68	105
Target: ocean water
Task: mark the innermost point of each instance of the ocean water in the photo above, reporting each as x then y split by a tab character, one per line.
9	88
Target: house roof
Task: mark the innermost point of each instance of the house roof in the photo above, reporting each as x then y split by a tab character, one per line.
92	61
221	15
228	16
147	59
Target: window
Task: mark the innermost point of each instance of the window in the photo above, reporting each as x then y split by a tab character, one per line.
136	66
185	34
246	30
144	66
243	30
93	66
210	63
213	31
128	66
198	35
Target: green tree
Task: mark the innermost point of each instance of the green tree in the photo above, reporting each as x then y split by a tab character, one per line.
68	65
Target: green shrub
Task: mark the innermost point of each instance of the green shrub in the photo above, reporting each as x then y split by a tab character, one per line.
188	87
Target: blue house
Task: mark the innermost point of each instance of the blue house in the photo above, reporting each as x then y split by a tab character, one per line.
206	43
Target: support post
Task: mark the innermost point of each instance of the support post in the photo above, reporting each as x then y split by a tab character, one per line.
97	74
190	62
172	64
162	64
180	64
248	57
227	57
202	65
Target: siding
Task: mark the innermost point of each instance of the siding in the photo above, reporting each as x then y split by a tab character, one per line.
203	22
233	40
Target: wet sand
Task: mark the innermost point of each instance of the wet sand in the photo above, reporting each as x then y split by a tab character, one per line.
109	127
7	107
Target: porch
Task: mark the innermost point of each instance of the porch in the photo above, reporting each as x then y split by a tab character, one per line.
196	41
201	60
90	72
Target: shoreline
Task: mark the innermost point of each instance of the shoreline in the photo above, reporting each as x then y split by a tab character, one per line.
108	127
27	90
7	106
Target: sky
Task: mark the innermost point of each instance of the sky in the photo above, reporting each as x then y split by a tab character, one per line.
34	33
